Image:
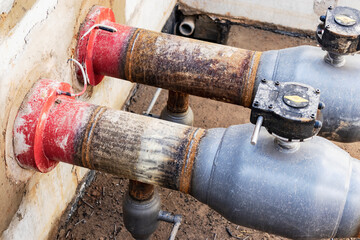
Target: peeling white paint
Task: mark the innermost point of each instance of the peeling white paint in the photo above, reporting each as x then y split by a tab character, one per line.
20	144
63	142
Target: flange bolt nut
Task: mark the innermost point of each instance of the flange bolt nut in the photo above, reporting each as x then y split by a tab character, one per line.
318	124
321	105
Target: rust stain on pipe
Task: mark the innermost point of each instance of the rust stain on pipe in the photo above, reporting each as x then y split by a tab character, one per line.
177	102
126	58
190	66
136	147
248	93
191	149
85	155
140	191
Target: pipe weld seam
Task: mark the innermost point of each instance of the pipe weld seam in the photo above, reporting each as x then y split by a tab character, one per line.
191	149
249	85
129	53
85	150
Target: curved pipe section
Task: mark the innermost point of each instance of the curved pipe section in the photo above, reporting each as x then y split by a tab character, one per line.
313	192
218	72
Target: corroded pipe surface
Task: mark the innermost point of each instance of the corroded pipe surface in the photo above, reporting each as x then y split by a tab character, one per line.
177	102
180	64
132	146
140	191
313	192
51	128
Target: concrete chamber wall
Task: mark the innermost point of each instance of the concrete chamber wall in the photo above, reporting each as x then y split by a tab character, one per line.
36	39
297	14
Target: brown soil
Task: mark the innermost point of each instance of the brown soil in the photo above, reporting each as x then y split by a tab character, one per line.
99	213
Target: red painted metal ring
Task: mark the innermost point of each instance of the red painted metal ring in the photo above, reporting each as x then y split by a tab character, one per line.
85	47
30	123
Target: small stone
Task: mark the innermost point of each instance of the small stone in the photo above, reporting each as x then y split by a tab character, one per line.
95	193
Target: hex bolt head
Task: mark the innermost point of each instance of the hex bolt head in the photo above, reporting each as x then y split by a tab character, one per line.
317	91
277	83
256	104
263	80
321	105
312	116
330	7
318	124
270	106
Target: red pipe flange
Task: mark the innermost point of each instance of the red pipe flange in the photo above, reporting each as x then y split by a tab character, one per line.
30	124
96	51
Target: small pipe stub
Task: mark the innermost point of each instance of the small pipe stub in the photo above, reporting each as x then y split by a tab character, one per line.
85	46
30	124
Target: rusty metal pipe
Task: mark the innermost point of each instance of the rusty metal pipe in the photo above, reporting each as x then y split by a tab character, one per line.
177	102
313	192
167	61
219	72
177	109
59	128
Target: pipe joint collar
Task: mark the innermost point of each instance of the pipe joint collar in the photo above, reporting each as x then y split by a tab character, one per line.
30	124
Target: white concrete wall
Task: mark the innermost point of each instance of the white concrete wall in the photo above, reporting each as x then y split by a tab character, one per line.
299	14
36	39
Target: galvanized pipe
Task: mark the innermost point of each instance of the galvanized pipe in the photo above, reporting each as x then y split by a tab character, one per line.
312	192
219	72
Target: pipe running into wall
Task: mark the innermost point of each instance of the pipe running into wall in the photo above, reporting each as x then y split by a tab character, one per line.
313	192
219	72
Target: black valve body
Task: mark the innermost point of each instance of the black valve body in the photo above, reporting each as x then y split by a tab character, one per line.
289	109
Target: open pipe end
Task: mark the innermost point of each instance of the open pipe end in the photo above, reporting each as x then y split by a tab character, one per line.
187	26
